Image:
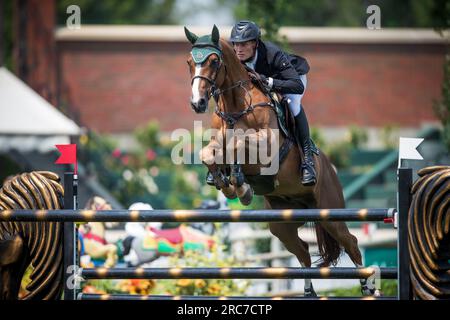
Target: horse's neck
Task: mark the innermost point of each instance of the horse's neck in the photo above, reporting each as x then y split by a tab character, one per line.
234	100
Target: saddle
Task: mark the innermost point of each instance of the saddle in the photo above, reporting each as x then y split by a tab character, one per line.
285	118
286	121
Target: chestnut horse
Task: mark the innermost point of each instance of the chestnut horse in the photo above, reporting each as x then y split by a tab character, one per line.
216	72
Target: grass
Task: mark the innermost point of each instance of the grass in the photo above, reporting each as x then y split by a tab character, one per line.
388	288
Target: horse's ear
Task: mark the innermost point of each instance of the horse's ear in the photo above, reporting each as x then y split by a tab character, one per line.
190	36
215	35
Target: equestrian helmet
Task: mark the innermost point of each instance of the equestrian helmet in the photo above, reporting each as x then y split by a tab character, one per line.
245	31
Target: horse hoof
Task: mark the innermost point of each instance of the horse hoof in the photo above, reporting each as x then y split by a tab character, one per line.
229	192
310	293
231	196
246	199
368	288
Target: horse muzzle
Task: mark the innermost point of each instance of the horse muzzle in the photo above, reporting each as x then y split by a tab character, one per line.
200	106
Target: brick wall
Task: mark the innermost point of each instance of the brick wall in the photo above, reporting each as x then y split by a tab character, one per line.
373	85
113	86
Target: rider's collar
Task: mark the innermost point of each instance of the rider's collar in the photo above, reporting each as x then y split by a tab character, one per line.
251	62
203	48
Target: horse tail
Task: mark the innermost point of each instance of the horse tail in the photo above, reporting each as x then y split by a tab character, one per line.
329	248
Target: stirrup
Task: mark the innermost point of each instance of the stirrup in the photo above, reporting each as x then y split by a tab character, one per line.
309	179
308	165
210	179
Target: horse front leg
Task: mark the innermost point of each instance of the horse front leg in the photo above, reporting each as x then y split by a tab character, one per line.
208	156
243	190
222	182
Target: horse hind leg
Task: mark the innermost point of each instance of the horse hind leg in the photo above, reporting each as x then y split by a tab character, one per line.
288	235
340	232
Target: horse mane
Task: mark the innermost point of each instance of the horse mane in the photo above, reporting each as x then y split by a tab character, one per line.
232	60
37	190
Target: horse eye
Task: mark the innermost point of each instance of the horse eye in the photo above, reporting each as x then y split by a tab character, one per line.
214	62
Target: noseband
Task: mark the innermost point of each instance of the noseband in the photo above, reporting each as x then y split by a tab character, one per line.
212	82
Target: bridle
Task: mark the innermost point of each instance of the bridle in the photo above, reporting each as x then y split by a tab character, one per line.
231	118
212	82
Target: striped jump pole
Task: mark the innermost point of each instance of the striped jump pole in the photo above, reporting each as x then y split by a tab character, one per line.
89	296
286	215
238	273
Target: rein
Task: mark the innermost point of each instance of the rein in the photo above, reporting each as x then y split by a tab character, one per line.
231	118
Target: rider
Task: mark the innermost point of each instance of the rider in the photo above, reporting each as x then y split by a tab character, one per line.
280	72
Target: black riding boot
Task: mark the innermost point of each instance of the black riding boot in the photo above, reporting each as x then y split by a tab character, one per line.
308	170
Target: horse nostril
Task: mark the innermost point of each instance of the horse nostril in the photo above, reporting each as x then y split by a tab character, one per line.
195	105
202	102
200	105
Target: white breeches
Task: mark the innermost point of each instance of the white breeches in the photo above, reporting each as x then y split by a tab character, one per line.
295	100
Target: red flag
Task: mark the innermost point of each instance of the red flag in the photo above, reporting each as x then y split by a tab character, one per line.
68	154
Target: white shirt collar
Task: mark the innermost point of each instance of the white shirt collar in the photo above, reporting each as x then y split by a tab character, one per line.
252	63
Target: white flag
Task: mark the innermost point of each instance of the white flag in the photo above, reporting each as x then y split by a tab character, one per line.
407	149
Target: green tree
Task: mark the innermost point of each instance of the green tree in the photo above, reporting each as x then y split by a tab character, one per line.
440	14
270	23
442	108
271	15
6	39
441	18
119	11
343	13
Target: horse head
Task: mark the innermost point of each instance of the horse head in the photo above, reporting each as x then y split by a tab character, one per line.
205	65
